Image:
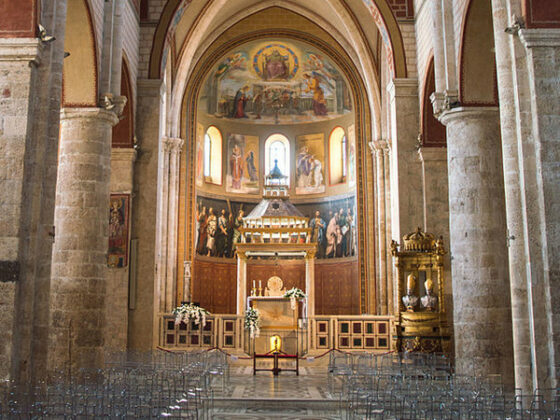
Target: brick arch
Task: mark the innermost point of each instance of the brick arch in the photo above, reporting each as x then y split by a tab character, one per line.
380	10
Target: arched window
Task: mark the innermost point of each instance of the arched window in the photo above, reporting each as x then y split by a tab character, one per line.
277	147
337	156
213	156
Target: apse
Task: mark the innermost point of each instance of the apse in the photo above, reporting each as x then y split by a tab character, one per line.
265	103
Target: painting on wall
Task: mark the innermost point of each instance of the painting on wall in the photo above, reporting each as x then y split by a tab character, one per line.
351	156
199	172
332	222
242	164
217	224
310	159
276	81
118	230
333	225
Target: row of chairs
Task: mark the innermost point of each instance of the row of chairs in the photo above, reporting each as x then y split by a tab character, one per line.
423	386
131	385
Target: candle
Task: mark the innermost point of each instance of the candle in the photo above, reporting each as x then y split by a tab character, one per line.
260	284
254	284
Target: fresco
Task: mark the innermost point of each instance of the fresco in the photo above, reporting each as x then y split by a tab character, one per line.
276	81
117	256
333	226
242	164
310	163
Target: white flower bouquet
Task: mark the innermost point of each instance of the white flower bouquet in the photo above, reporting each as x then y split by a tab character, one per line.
188	311
294	293
252	322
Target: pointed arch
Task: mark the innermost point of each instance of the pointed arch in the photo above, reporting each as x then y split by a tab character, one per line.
79	73
123	132
477	67
433	132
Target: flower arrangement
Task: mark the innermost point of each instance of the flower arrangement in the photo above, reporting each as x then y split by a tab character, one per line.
188	311
252	322
294	293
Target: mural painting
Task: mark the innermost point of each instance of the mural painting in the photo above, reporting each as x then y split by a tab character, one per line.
118	230
276	82
242	164
310	159
333	226
217	223
351	156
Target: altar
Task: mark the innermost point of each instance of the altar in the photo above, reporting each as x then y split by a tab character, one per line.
280	317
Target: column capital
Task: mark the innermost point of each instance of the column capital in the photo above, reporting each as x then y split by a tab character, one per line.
379	146
124	154
20	49
85	113
149	87
471	112
544	37
403	87
432	154
173	144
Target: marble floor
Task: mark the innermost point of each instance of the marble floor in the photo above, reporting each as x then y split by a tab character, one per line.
286	396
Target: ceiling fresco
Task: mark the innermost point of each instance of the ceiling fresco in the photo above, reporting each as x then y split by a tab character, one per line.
275	81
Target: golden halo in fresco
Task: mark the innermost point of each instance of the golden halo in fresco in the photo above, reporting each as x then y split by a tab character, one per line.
275	62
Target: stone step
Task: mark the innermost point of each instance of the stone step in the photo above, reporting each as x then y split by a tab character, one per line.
276	403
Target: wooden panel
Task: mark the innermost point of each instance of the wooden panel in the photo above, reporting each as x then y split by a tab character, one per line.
337	285
542	13
18	19
337	288
214	285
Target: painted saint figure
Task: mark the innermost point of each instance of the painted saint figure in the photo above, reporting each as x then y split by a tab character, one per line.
251	169
239	101
202	220
211	229
314	85
221	235
236	232
236	167
318	226
334	237
303	167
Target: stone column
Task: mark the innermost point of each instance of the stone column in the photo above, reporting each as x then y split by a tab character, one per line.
166	239
310	283
79	264
18	73
438	44
406	170
481	295
436	207
241	283
175	146
143	323
505	46
379	151
116	309
541	161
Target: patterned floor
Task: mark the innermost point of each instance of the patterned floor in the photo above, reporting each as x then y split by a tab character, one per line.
286	396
